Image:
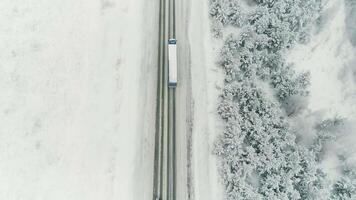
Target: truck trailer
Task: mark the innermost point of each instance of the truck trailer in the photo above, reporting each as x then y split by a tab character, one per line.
172	63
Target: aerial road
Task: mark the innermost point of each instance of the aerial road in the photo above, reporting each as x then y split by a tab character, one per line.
164	187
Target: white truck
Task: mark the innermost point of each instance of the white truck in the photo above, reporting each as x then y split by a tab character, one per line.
172	63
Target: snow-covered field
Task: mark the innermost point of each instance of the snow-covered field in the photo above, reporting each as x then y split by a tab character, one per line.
77	99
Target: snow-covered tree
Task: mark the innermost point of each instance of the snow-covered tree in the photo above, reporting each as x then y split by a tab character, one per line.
326	131
345	187
259	144
260	157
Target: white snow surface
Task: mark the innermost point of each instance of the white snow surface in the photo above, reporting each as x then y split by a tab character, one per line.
331	60
207	79
77	99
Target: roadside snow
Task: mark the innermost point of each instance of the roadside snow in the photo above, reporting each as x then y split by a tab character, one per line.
77	99
206	81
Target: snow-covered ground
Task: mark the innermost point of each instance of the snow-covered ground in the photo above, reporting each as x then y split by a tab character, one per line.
77	99
198	71
183	101
330	57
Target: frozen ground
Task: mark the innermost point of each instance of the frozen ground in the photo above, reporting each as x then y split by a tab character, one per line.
77	99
